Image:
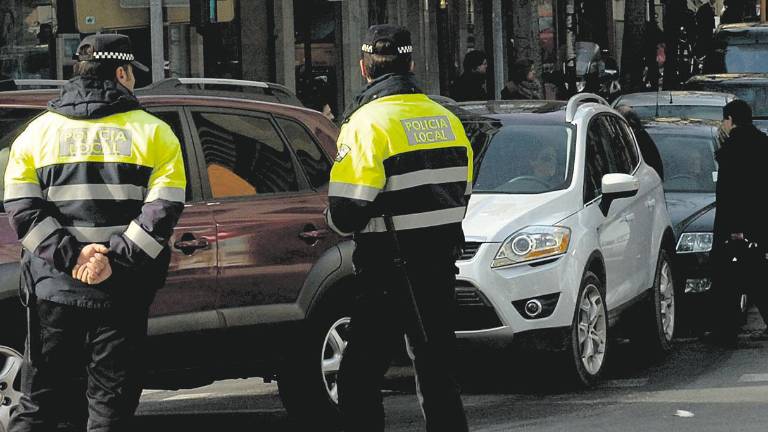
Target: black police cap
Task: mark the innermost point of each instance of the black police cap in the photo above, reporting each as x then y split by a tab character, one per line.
399	38
108	47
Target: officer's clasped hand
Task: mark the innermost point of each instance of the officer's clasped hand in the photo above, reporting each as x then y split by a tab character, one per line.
92	266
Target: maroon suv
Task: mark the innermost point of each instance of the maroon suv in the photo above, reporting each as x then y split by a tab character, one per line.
258	285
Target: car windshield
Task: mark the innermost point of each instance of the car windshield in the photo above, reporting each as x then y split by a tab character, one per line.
746	58
648	112
525	159
689	161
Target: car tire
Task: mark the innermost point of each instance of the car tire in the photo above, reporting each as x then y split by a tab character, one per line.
655	328
10	371
308	381
587	344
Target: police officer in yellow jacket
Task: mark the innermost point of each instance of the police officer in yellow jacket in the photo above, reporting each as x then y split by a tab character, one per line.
403	156
93	188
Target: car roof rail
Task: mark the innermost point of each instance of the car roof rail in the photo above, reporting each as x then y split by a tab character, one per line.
30	84
259	90
575	101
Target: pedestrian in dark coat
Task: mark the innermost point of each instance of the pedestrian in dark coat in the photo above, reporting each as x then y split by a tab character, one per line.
648	148
705	25
470	86
739	220
523	84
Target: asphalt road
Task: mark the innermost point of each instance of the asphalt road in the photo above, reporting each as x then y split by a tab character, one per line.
698	388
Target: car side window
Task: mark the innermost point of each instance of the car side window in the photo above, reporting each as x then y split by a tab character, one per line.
598	162
244	155
311	157
174	121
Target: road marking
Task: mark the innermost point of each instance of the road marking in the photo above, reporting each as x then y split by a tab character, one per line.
624	383
750	378
188	396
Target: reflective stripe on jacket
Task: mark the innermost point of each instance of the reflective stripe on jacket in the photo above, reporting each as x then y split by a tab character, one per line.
402	155
117	180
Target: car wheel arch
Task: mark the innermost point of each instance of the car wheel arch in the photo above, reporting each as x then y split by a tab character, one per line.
331	275
596	264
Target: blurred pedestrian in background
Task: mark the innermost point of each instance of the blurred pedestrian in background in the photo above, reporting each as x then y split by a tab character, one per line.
470	86
524	84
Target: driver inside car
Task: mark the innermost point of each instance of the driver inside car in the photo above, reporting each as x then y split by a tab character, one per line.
544	165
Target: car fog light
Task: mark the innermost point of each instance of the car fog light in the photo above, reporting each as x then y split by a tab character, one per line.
533	308
697	285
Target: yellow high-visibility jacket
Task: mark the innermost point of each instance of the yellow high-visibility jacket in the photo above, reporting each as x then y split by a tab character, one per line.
118	180
401	155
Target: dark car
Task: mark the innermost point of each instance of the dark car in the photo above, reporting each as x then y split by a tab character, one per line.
687	148
751	88
258	285
739	48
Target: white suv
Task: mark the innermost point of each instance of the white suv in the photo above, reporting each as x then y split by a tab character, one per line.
567	232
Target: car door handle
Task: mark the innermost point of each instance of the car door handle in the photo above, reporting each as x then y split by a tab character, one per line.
313	235
630	217
189	244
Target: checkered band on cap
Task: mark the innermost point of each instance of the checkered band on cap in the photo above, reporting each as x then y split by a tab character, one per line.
106	55
367	48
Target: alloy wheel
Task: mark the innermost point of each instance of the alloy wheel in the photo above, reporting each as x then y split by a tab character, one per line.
593	329
10	367
667	301
333	350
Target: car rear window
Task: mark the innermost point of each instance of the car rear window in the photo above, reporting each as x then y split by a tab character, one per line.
649	112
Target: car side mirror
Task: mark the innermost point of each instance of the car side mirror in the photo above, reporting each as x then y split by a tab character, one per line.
616	186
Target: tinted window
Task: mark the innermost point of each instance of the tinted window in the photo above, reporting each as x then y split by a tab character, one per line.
174	121
756	95
314	161
598	162
244	155
12	121
624	146
746	58
522	159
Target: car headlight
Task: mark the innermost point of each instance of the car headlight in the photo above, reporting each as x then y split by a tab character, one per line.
532	243
694	242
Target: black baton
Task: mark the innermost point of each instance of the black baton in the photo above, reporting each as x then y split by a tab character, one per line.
414	327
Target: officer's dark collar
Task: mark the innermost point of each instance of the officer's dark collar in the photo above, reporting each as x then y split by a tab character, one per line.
385	85
90	98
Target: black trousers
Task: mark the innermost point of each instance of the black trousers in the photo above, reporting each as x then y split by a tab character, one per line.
733	278
81	363
377	327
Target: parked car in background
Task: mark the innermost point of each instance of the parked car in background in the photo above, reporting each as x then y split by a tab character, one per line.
687	148
751	88
257	286
681	104
567	233
738	48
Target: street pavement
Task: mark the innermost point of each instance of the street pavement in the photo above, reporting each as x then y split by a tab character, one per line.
697	388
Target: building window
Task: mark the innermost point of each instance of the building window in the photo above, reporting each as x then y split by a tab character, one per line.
26	29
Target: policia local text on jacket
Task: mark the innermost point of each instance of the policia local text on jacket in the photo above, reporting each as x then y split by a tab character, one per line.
95	168
401	154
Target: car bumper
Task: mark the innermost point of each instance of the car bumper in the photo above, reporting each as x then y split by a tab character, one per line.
491	302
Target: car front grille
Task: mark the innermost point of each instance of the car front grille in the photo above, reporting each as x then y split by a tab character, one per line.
474	311
469	250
